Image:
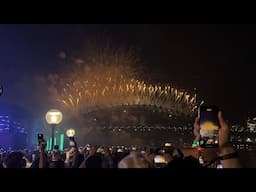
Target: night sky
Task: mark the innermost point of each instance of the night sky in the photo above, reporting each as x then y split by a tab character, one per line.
214	59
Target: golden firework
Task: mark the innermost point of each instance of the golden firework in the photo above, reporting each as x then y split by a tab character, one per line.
107	78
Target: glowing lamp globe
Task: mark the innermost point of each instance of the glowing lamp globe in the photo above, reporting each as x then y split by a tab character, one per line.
53	117
167	144
70	133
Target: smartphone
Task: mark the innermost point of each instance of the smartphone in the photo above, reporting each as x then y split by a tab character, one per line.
160	162
201	160
219	166
159	159
72	142
209	126
40	138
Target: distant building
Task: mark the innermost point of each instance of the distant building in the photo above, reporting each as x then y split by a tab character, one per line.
12	134
251	124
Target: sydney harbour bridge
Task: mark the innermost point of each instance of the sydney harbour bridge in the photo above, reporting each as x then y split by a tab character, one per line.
117	106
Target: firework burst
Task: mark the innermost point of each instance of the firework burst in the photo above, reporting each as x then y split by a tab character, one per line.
107	78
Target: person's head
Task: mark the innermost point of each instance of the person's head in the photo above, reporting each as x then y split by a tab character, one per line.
149	155
134	160
56	155
107	151
81	150
114	150
94	161
134	148
100	150
92	150
15	160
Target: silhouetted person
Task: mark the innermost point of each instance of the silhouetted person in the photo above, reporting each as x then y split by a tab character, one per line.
15	160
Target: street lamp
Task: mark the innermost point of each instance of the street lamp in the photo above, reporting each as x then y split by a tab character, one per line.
53	118
70	132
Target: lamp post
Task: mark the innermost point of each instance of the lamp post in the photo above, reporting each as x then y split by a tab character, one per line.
53	118
71	133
